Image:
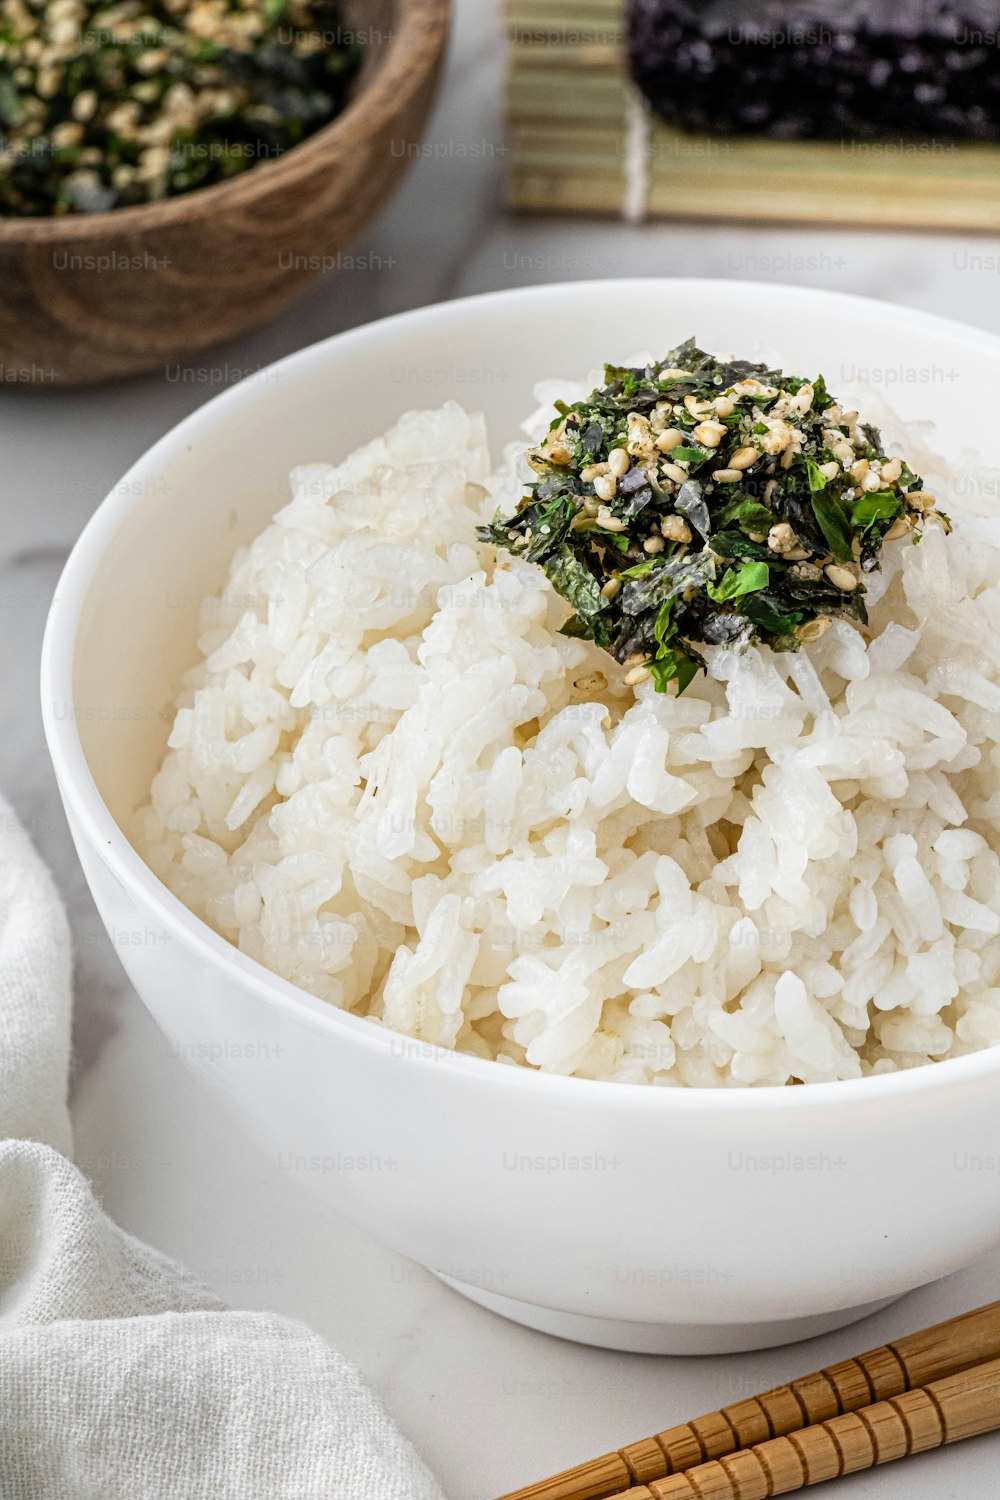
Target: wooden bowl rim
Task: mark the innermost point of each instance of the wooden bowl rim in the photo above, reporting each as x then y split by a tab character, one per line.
393	85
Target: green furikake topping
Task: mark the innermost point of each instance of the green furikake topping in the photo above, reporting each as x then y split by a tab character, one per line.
107	105
704	502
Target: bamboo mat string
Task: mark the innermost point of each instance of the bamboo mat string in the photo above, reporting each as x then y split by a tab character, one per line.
638	129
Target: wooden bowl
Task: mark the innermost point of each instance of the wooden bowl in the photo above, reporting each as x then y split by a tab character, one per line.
86	298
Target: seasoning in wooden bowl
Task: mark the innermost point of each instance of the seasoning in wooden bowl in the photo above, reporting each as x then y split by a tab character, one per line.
105	106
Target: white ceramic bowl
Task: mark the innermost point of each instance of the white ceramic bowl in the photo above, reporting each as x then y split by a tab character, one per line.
636	1218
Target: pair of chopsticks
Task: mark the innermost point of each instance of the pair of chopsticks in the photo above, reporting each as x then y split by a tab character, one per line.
931	1388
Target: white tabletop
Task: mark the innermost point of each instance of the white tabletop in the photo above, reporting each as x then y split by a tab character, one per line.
490	1405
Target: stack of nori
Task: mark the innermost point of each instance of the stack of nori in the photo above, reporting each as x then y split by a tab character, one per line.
821	69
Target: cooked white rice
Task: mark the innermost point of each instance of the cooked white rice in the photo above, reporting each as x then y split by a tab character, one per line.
393	782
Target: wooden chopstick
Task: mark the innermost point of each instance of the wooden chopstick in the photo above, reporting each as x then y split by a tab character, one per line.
880	1375
926	1417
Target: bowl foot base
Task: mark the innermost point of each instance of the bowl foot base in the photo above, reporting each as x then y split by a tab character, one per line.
664	1338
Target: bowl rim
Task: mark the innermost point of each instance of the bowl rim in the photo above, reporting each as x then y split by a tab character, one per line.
392	85
84	803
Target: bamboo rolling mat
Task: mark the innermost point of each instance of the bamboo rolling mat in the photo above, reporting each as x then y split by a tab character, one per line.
581	141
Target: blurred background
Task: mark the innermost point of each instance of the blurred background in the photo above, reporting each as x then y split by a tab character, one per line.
540	163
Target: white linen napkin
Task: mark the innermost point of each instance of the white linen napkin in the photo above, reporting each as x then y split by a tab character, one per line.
121	1376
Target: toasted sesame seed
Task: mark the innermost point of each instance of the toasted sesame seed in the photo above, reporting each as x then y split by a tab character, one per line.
781	537
675	529
727	476
777	438
753	387
698	408
69	133
605	486
669	439
841	578
710	434
84	105
813	629
608	521
653	544
637	675
618	462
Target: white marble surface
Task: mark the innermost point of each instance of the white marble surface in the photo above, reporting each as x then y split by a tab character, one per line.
490	1405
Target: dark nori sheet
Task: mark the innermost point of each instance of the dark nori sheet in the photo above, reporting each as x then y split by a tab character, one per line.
798	69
